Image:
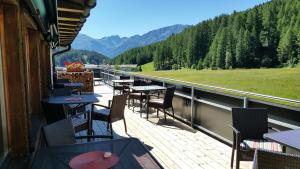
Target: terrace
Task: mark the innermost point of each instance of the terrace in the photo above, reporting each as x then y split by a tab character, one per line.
198	136
173	143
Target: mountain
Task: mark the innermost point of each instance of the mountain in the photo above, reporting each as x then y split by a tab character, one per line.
84	56
115	45
267	35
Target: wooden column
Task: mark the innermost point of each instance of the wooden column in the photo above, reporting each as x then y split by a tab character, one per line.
33	70
14	83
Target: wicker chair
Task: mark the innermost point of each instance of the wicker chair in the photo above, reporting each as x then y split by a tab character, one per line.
122	88
264	159
56	112
112	113
62	133
249	125
133	95
164	103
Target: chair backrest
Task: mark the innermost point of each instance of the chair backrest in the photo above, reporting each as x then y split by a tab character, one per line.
251	122
53	112
59	133
118	107
62	92
124	77
269	159
169	96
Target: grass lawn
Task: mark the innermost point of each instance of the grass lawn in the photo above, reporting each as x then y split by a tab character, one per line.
148	67
284	82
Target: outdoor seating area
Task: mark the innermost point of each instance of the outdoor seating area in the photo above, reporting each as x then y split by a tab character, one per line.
76	116
164	141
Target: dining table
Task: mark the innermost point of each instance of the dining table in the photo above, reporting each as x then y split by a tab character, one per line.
147	90
289	138
122	82
131	153
72	85
81	100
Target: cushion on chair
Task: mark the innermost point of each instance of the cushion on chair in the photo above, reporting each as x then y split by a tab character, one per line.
101	111
261	144
59	133
156	101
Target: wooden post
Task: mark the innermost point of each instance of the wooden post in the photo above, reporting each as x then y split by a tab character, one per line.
14	83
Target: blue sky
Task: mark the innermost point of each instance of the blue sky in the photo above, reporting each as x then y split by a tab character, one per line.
131	17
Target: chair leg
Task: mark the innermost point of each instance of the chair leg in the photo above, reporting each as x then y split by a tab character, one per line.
165	114
232	158
173	111
147	111
157	112
237	160
125	125
111	129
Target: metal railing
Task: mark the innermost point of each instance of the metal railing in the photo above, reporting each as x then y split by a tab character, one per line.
112	74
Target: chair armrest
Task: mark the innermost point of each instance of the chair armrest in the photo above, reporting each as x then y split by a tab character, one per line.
236	131
274	129
237	137
100	105
93	136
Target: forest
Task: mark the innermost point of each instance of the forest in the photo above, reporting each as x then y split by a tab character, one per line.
267	35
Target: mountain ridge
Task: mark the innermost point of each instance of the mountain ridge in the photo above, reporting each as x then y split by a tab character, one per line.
114	45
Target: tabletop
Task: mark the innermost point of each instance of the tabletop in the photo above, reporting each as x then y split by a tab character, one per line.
123	81
131	152
73	84
147	88
289	138
73	99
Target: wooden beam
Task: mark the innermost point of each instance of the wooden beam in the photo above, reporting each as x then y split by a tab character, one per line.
67	32
68	19
64	28
70	10
67	24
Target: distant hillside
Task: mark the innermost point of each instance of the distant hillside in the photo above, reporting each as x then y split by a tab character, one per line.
267	35
86	57
115	45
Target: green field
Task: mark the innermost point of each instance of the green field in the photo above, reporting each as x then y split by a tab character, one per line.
284	82
148	67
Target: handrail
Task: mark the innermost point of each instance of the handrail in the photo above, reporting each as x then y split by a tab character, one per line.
208	102
213	87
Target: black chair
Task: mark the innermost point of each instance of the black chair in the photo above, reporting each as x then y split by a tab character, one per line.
62	133
264	159
112	113
124	88
53	112
124	77
57	82
162	103
56	112
249	125
62	92
133	95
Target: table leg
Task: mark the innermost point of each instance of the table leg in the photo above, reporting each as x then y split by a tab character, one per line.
284	149
113	88
141	106
90	126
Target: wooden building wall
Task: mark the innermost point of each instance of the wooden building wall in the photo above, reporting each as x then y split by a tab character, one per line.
26	71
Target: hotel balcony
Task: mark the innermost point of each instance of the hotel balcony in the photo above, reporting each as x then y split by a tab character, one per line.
197	136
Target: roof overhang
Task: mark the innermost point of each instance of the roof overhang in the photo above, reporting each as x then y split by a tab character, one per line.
60	20
71	15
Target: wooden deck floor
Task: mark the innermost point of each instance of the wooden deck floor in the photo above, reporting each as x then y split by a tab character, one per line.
174	144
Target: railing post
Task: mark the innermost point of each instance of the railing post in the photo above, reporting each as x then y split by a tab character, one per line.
164	84
192	106
245	103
